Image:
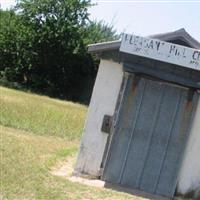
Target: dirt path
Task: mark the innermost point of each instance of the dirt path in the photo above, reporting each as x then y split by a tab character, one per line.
65	169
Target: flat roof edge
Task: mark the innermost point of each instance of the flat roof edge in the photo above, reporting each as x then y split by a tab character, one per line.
104	46
179	34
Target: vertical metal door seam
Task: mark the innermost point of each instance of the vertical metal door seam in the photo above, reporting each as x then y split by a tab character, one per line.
115	119
167	145
132	132
160	101
115	124
192	103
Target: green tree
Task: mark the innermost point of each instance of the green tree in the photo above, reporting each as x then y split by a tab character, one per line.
56	29
99	31
15	47
46	48
8	48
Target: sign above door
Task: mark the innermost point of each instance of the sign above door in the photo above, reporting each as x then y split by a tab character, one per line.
160	50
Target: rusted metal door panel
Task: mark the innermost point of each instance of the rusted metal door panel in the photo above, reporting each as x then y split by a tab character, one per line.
176	144
165	134
150	136
131	172
123	132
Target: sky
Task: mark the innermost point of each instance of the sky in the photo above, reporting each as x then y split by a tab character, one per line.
145	17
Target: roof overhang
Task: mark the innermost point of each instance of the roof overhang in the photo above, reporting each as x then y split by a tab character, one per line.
179	35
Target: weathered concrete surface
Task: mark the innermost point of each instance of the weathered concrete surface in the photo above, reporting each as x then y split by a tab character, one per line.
189	178
103	102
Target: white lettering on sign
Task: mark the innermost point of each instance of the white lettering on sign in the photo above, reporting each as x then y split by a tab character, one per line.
160	50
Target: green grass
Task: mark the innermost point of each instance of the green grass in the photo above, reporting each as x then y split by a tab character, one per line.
41	115
37	132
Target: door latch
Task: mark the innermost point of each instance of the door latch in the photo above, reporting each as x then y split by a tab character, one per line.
107	123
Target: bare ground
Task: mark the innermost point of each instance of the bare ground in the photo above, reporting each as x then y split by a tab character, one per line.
65	169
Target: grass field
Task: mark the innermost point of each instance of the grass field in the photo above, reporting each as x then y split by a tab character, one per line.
36	132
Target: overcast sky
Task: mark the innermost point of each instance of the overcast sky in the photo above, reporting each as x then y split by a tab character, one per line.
145	17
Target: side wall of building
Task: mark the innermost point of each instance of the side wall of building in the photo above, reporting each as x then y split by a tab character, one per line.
103	101
189	178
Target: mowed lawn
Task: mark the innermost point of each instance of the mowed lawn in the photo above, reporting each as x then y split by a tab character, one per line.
36	132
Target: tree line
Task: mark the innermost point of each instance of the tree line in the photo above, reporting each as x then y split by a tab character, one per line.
43	47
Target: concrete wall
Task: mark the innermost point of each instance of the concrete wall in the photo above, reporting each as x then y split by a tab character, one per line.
189	179
103	102
93	142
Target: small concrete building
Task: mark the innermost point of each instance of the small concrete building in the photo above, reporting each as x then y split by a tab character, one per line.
143	125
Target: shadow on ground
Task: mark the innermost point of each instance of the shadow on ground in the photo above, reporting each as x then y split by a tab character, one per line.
134	192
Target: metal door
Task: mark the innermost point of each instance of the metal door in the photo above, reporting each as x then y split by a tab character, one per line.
150	135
